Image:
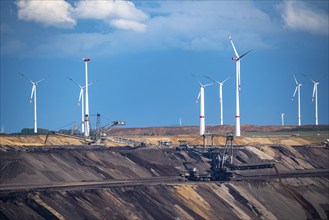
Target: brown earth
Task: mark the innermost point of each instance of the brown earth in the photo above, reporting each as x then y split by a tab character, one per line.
221	140
37	140
54	140
295	198
251	135
26	160
264	200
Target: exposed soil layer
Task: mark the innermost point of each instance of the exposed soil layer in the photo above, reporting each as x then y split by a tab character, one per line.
252	200
87	163
294	198
37	140
153	140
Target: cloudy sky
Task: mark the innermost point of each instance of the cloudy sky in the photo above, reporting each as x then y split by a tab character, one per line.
143	53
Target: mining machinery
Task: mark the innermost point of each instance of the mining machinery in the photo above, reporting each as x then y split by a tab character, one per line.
222	167
101	132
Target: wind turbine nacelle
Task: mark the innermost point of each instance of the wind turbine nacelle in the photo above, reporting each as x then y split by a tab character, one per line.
86	59
234	58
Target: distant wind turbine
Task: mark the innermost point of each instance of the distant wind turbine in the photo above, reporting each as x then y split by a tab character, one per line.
297	88
282	119
201	97
34	94
220	96
315	94
81	99
238	87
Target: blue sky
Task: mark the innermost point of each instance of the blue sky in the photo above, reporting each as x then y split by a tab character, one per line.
143	53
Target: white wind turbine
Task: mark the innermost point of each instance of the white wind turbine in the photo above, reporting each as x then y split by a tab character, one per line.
220	96
34	94
315	94
238	85
297	89
282	119
81	99
201	97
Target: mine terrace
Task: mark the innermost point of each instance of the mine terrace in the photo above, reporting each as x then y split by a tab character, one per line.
162	176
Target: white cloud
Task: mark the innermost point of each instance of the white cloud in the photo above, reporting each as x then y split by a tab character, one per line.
49	13
300	16
59	13
205	25
93	9
187	25
128	25
109	9
119	14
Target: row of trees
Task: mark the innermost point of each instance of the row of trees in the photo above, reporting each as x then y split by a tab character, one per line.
41	131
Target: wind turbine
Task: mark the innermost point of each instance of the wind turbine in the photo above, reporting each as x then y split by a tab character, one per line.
220	95
34	94
238	87
315	94
297	88
201	97
282	119
81	99
87	123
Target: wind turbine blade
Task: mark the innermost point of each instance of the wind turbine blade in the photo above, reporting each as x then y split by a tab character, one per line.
212	79
91	83
40	80
322	77
81	92
314	88
197	99
196	79
293	96
244	54
26	77
32	92
236	53
209	84
295	79
74	82
309	78
226	79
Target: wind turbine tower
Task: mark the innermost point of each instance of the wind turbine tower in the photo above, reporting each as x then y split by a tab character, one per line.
238	87
87	123
34	94
282	119
202	112
81	99
297	89
315	94
220	96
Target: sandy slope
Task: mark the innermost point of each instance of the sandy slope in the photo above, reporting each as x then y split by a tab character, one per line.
220	140
39	140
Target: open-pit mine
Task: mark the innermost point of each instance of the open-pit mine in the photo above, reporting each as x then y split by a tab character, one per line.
164	177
